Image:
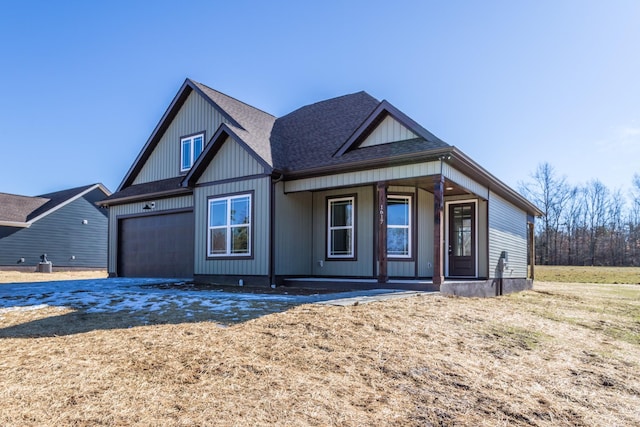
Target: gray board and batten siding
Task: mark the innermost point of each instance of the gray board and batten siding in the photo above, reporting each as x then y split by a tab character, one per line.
195	115
507	233
257	264
234	171
73	236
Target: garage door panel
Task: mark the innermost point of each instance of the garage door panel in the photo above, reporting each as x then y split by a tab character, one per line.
156	246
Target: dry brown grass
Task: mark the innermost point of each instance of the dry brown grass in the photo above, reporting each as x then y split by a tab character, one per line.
557	355
24	276
587	274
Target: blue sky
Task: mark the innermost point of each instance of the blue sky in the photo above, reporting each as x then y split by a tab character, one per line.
510	83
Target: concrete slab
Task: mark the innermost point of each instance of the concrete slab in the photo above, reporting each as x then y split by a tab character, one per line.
366	299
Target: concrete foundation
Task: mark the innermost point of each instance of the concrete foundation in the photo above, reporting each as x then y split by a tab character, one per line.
486	288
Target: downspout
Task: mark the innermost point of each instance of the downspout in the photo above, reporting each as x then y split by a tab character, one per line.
272	223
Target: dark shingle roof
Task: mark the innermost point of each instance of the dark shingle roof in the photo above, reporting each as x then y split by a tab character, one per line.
309	136
17	208
148	188
255	124
305	139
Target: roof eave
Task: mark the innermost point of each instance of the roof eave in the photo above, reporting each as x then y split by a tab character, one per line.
493	183
140	197
16	224
366	164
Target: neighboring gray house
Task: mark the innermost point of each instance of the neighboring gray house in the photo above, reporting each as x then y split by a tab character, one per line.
349	190
66	225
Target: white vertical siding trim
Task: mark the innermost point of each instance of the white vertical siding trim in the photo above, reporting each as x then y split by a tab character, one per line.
389	130
232	161
117	211
363	177
196	115
507	232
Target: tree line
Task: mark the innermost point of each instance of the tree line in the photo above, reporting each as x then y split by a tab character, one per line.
585	224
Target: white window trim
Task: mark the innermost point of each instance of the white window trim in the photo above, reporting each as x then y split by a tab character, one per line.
446	232
408	226
352	252
192	158
228	226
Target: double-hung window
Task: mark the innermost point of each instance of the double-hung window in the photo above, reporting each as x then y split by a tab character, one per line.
190	149
340	230
399	226
229	226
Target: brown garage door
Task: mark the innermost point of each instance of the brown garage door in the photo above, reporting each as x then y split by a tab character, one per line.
156	246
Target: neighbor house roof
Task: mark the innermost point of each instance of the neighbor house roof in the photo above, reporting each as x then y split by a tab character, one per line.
22	211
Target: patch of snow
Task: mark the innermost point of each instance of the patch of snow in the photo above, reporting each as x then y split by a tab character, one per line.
159	296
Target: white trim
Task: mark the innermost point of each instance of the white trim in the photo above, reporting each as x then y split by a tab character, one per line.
409	225
192	156
352	252
228	226
446	234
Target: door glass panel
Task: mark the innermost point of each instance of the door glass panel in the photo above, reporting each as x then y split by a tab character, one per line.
462	237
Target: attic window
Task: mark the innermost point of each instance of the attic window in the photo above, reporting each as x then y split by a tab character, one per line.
190	148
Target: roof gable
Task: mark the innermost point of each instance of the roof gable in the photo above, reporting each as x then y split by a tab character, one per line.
389	130
370	131
237	114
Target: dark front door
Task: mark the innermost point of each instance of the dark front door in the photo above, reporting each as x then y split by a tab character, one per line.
462	240
156	246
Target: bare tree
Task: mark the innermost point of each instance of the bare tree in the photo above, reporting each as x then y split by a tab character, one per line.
597	204
551	194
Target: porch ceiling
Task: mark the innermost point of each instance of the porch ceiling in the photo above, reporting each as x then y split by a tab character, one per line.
426	183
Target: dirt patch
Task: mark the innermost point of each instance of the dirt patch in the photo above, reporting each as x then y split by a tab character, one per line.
25	276
533	358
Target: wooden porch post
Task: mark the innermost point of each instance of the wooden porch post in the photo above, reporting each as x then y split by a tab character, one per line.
438	230
383	276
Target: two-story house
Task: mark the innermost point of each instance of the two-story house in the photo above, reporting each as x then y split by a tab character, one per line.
348	190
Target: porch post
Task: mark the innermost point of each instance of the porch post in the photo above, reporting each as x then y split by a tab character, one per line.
383	276
438	230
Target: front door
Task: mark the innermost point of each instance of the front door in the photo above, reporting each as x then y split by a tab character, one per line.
462	240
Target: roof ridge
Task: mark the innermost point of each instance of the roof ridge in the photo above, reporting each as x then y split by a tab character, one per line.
335	98
231	97
69	190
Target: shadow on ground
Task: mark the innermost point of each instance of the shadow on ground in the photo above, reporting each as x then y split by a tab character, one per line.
124	303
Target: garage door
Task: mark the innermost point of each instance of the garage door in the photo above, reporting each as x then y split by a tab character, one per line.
156	246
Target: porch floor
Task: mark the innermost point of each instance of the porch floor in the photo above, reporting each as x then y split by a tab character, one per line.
336	283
